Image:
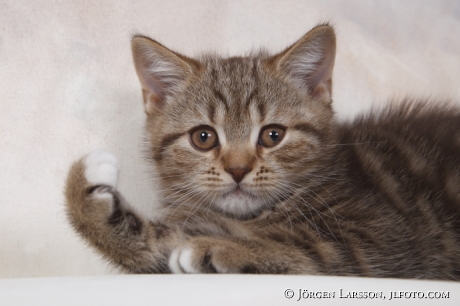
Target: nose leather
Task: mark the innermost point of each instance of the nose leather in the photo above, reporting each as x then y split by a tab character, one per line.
238	173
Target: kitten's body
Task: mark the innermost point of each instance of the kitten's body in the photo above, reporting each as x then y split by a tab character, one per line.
376	197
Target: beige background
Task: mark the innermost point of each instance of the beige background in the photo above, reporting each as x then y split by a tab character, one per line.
67	87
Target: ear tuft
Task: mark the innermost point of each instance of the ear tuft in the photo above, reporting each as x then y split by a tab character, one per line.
308	63
161	71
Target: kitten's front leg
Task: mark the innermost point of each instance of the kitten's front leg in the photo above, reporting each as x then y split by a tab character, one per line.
100	214
219	255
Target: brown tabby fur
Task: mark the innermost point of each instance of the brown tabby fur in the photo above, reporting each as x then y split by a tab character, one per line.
378	197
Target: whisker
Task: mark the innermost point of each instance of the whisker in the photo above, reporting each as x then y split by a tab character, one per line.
287	184
355	143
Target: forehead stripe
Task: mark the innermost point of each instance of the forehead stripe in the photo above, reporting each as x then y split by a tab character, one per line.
211	112
221	97
262	111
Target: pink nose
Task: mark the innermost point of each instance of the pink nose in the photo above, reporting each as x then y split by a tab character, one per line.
238	173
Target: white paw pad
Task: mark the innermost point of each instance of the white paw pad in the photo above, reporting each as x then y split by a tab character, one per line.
180	261
101	168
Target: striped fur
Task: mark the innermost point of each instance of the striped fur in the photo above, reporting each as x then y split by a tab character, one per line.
378	196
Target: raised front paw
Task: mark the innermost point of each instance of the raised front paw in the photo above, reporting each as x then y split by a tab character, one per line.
101	168
210	255
91	186
101	173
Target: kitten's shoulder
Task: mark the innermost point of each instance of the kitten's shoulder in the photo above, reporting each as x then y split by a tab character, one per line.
397	113
409	119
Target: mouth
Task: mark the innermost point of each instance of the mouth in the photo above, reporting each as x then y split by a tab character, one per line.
237	192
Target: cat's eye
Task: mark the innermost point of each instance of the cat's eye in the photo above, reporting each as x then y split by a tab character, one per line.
271	135
204	138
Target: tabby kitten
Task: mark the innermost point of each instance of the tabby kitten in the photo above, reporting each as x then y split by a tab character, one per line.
256	175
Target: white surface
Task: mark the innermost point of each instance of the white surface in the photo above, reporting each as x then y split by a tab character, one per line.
221	290
68	86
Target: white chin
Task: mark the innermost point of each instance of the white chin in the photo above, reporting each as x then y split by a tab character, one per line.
240	205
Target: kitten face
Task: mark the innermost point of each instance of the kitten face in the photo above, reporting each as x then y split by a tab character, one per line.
234	135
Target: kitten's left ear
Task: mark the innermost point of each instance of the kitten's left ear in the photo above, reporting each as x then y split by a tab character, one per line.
309	62
160	71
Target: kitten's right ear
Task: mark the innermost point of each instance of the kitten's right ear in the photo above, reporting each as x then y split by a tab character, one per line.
160	71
